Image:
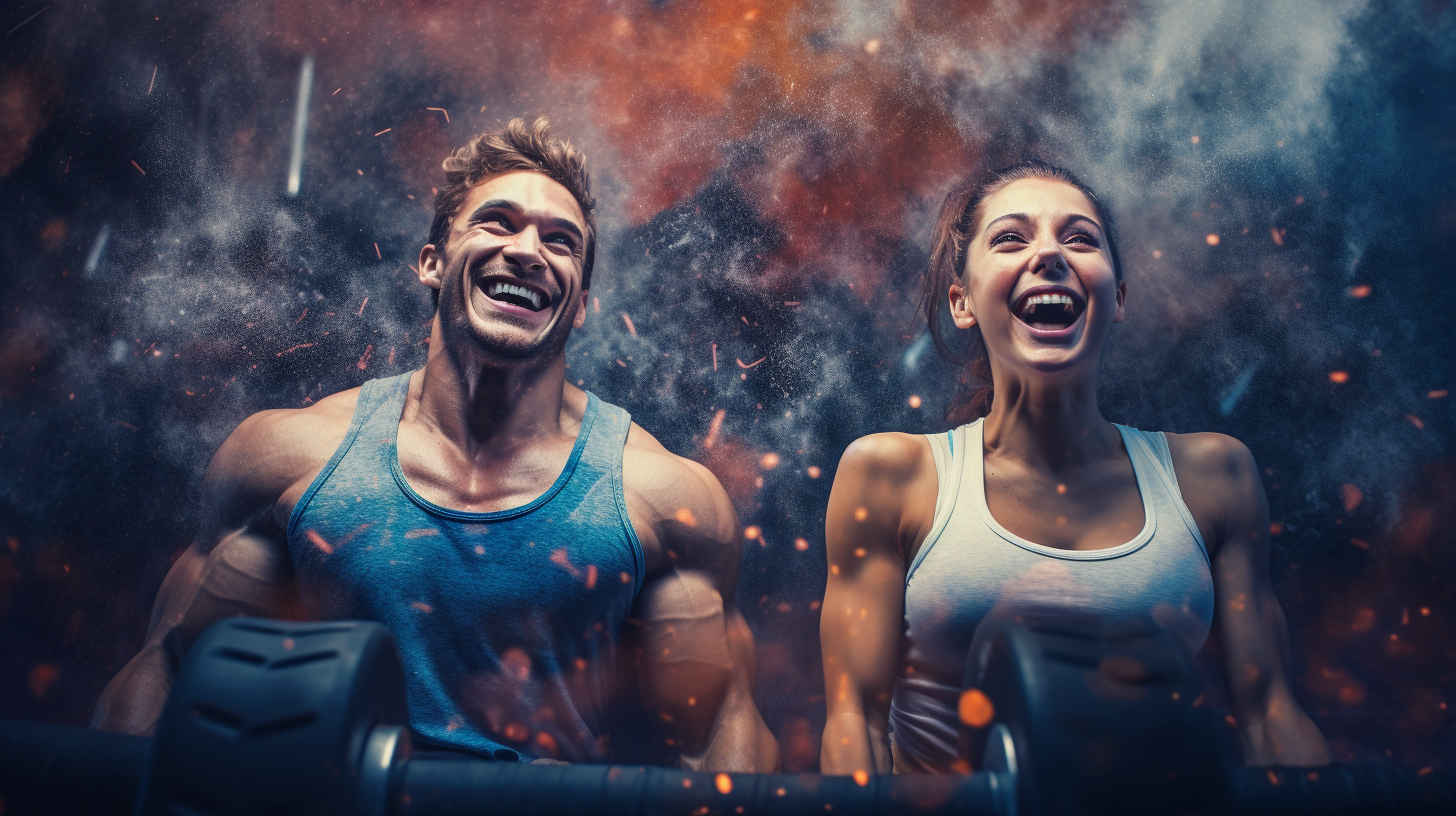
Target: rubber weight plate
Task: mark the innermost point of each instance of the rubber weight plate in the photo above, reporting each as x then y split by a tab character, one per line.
273	717
1107	716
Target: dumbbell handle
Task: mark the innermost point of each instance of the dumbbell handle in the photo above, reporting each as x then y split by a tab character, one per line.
59	770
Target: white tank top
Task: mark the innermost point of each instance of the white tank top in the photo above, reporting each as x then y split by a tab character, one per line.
971	569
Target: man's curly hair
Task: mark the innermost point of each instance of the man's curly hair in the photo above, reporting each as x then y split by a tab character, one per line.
517	146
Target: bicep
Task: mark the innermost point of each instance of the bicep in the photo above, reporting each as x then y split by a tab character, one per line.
687	656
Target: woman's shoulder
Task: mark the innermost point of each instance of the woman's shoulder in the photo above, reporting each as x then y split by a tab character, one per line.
1209	455
887	456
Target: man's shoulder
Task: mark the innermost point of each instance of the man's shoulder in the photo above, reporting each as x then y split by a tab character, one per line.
673	489
271	451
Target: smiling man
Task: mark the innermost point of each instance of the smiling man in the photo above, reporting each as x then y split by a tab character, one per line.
504	524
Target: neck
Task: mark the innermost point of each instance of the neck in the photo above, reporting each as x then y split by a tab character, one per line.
1048	424
485	404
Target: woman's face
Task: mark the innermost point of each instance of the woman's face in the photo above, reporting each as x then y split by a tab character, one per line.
1039	280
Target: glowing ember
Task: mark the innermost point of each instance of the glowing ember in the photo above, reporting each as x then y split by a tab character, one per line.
1339	376
975	708
861	513
421	606
813	471
1351	496
1439	393
1363	290
713	427
318	541
769	461
724	783
861	777
800	544
914	400
631	329
685	516
752	532
1212	239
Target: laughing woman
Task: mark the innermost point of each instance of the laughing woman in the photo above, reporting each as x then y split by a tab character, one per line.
1038	503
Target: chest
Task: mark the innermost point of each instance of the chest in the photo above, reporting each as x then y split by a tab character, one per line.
485	481
1093	507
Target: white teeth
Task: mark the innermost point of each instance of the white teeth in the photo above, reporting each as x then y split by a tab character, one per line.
501	288
1065	301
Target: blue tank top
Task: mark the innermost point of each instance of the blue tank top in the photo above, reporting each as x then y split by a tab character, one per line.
507	621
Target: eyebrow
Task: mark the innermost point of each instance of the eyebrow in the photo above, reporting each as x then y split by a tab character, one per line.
511	206
1025	217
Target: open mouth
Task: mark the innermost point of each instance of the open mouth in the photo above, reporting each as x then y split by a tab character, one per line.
1045	310
515	295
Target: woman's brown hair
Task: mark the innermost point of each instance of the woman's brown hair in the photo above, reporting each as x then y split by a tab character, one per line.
949	244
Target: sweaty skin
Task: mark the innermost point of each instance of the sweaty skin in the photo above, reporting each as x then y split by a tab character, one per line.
489	424
1056	473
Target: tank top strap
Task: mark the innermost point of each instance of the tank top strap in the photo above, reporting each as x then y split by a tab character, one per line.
371	411
606	442
951	451
1150	449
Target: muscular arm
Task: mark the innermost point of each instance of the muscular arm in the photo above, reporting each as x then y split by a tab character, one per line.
871	525
237	566
698	661
1230	507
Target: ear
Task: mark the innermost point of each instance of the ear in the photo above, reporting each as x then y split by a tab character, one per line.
960	307
432	266
580	319
1121	313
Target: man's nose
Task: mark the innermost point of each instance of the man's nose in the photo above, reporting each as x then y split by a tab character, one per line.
525	250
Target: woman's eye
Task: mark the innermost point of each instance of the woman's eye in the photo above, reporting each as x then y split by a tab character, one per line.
1005	237
1083	238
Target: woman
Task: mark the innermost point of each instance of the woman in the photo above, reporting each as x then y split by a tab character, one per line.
1040	504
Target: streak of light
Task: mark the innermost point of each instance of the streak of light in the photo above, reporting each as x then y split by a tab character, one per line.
377	253
442	110
715	356
153	83
1212	239
28	19
300	126
915	354
138	167
364	358
742	364
713	427
361	307
631	329
1237	390
382	132
1278	236
1363	290
295	348
1339	376
1439	393
98	246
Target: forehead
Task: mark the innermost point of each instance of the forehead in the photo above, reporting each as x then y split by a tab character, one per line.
1038	198
535	194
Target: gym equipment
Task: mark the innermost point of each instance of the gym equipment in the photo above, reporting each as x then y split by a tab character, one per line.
274	717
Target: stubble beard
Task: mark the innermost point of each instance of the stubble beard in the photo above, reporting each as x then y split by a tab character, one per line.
459	329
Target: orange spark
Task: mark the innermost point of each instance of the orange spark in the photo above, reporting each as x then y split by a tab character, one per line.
377	253
153	83
769	461
914	401
686	516
1276	527
861	513
715	356
442	110
1352	496
713	428
724	783
1363	290
336	92
361	307
861	777
742	364
1339	376
1439	393
813	471
1278	236
421	606
138	167
382	132
1212	239
591	576
561	559
364	358
975	708
800	544
1364	545
318	541
631	329
752	532
1415	420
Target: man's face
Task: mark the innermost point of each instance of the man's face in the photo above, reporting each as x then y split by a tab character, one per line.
510	273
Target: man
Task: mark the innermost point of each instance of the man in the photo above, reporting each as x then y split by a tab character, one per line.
502	523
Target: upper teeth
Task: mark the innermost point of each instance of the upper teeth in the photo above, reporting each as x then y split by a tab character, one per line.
501	288
1037	300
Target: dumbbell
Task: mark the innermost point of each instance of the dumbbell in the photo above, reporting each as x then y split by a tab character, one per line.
1060	717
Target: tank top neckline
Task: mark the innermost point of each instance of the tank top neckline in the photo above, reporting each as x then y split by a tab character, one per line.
976	453
392	453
